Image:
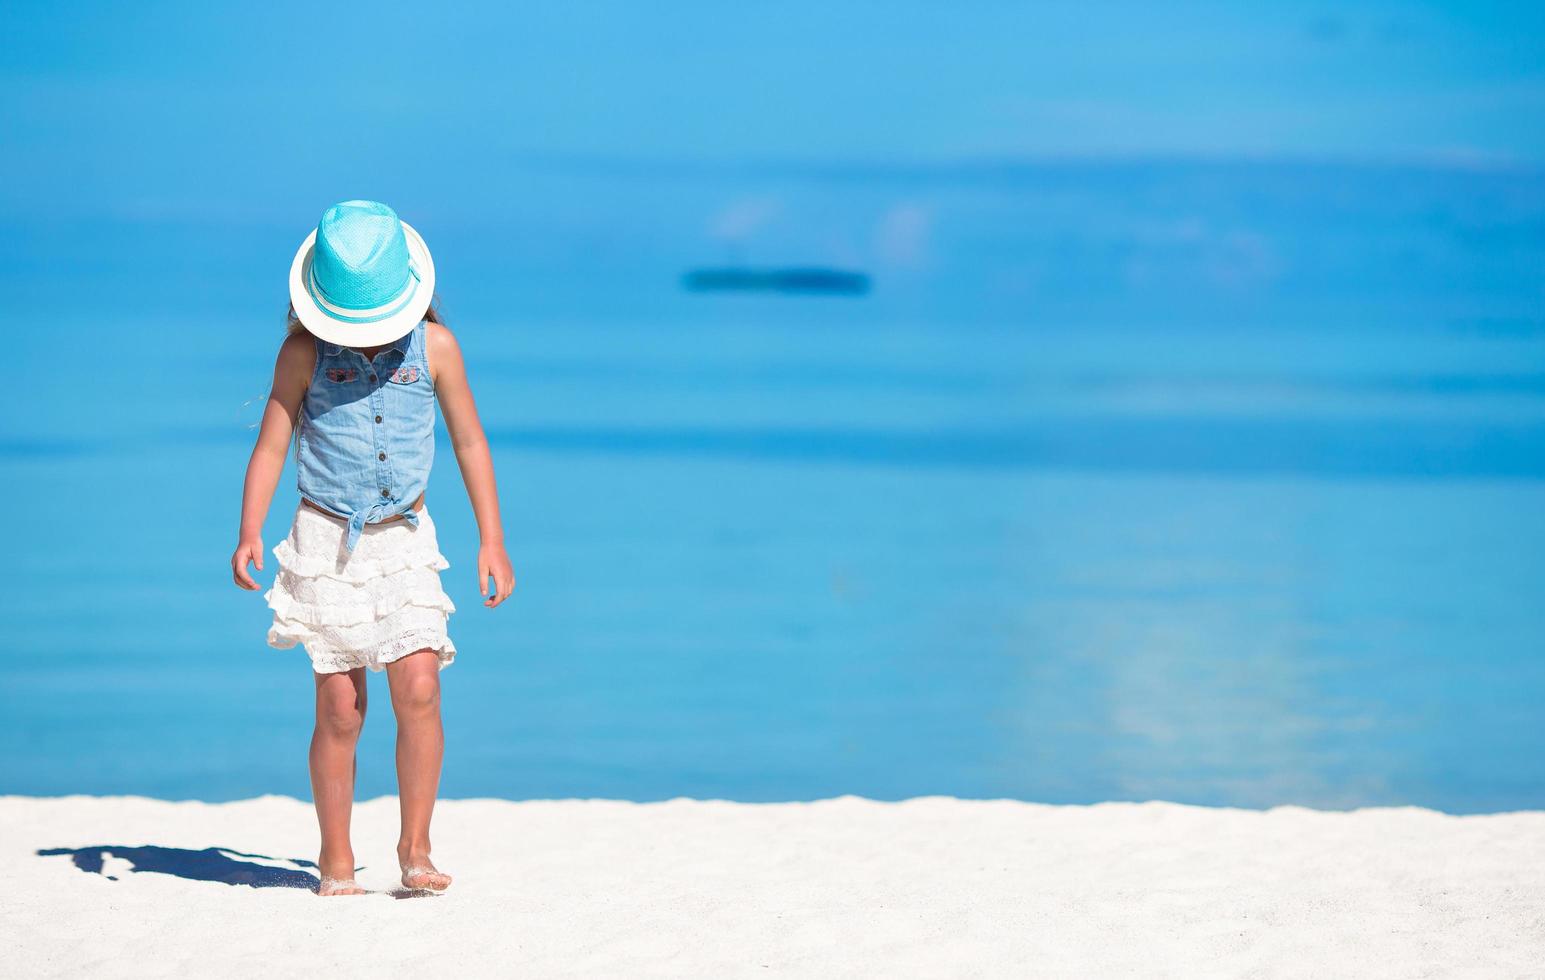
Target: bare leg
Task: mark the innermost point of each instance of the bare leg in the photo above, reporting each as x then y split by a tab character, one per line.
340	716
415	685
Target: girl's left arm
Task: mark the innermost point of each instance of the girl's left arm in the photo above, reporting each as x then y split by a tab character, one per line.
449	374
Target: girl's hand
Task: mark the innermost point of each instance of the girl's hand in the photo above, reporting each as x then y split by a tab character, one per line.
492	560
250	550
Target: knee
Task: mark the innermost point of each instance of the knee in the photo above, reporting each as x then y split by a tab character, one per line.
418	695
340	715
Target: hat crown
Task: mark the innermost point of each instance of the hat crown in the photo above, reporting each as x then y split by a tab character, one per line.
361	255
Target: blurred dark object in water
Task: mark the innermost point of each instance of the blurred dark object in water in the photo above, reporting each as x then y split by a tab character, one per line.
795	280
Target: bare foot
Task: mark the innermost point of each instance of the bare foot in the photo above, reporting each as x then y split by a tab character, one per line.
337	876
419	874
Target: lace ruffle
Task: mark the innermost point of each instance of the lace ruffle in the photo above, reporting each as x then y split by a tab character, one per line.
329	657
361	609
354	570
329	602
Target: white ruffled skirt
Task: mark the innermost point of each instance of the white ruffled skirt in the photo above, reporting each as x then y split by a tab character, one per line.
367	608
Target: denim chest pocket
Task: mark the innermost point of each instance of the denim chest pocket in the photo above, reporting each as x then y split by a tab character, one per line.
405	386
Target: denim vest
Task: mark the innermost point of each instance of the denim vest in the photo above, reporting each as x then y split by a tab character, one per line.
367	432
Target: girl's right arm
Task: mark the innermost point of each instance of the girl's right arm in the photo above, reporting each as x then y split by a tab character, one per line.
292	373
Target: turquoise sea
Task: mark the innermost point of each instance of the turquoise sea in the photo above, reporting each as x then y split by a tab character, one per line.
1217	483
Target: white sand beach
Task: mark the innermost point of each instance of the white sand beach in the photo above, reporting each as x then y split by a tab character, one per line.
838	888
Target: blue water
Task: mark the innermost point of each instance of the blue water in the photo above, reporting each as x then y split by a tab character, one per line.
1212	484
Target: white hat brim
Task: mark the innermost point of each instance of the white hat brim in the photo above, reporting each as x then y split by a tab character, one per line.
377	332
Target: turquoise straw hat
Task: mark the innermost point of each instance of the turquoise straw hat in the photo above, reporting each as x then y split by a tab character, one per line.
363	278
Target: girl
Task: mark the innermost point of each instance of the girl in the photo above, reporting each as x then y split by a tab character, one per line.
358	583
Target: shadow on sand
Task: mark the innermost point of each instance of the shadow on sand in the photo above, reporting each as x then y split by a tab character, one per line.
211	864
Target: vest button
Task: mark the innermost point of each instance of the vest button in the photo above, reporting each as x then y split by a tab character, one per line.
380	455
385	492
372	379
378	420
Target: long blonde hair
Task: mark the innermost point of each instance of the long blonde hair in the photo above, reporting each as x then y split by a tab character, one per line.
292	324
